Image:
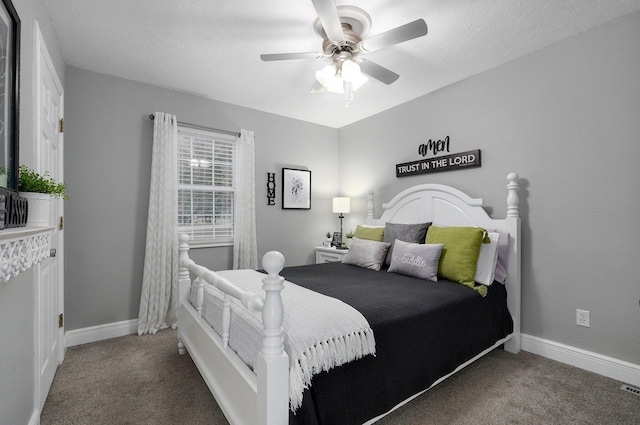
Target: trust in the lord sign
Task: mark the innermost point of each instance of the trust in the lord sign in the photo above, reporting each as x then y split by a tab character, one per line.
456	161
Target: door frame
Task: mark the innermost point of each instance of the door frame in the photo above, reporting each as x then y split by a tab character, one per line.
41	54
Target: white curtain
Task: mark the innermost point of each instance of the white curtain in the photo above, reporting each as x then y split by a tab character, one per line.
159	299
245	245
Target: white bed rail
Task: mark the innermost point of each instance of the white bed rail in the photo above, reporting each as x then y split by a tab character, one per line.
272	367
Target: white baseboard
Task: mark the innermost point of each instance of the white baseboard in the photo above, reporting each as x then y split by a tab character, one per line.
101	332
35	418
610	367
619	370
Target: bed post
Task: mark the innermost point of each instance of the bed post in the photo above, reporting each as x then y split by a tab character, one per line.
512	223
273	362
184	280
370	207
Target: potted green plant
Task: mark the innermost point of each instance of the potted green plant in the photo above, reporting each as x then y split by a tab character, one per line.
39	190
349	237
328	239
3	177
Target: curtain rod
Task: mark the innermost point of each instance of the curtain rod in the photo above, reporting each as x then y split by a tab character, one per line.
200	127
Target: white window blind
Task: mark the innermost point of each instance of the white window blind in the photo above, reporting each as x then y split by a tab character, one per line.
206	168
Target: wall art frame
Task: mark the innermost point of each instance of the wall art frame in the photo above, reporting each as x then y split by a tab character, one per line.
13	209
336	240
296	189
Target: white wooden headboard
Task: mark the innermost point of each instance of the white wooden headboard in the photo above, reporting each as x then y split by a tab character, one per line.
448	206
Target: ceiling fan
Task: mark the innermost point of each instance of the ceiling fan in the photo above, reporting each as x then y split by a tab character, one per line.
344	31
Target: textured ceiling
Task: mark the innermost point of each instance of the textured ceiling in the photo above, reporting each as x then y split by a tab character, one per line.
212	48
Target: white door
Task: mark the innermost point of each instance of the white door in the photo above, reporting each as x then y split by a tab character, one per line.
49	300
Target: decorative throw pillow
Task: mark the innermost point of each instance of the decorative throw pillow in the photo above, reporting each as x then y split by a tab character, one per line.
370	233
366	253
459	257
413	233
487	260
417	260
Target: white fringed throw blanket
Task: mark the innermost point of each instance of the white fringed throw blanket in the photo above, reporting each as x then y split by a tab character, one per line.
320	332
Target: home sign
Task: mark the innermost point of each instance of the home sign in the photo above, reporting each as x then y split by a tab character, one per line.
271	188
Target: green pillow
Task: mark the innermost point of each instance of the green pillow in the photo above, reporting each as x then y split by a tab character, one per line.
370	233
459	257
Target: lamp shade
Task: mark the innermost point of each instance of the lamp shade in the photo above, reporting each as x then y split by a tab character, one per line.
341	205
358	81
328	78
350	71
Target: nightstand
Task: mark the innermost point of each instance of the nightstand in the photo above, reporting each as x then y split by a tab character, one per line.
325	254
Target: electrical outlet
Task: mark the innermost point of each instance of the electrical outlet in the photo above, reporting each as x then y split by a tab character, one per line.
582	318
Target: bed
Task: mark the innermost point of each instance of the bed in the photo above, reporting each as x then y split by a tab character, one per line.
415	347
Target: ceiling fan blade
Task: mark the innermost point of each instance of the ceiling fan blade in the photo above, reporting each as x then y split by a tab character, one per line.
328	15
378	72
403	33
290	56
318	88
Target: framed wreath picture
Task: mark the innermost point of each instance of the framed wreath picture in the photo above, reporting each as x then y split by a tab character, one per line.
9	94
296	189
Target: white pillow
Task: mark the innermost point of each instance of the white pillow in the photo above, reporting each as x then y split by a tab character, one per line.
487	260
503	257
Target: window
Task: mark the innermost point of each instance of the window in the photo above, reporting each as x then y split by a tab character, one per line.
206	186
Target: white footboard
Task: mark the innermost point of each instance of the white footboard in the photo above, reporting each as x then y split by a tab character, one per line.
245	398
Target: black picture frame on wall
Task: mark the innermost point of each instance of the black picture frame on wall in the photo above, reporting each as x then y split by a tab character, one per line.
12	208
296	189
9	94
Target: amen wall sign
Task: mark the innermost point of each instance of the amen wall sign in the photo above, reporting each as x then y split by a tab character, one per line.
456	161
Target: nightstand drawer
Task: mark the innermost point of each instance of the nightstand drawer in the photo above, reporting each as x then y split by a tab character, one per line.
329	255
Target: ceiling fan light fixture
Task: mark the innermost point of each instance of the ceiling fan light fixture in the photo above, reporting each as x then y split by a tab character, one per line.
344	78
344	31
359	80
328	77
350	70
326	74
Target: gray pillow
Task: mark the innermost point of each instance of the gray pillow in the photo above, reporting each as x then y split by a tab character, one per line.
417	260
414	233
366	253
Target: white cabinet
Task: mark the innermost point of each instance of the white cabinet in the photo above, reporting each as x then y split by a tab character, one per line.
329	254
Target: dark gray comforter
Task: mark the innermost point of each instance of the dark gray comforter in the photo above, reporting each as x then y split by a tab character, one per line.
423	331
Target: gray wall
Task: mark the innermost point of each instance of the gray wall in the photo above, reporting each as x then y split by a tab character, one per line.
108	138
16	352
17	296
567	119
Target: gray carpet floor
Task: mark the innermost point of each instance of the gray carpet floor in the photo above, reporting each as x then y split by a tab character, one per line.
143	380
